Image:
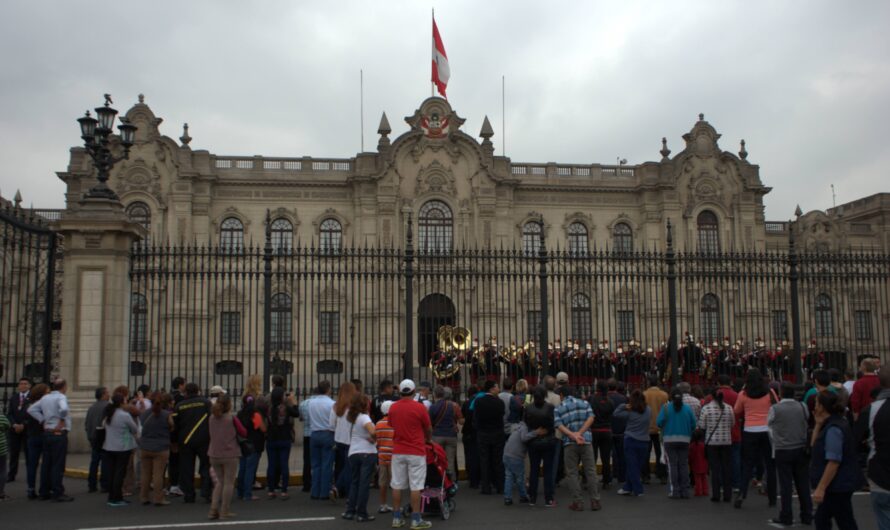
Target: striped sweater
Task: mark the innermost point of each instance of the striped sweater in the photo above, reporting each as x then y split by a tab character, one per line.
384	433
5	427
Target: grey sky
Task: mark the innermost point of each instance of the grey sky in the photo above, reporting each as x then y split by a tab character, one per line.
805	83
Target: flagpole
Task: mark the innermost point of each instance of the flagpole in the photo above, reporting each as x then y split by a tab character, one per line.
432	86
361	98
503	118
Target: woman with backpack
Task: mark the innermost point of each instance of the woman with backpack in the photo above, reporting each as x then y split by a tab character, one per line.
717	420
677	421
279	440
252	416
601	429
753	406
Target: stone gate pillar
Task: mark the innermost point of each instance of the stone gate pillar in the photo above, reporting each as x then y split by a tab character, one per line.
97	238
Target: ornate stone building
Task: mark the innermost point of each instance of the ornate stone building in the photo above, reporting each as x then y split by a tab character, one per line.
461	194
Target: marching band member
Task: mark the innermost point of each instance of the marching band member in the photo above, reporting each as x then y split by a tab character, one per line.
634	364
619	362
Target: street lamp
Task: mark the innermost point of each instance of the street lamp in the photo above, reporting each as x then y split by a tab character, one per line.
96	134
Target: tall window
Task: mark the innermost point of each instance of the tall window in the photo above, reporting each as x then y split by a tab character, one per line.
231	235
710	318
780	324
533	326
281	322
230	328
622	238
329	327
139	212
531	238
708	232
330	236
626	329
577	239
282	235
824	318
138	325
581	325
862	321
434	227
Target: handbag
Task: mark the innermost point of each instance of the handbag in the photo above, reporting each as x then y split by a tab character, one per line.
247	447
807	448
99	435
722	410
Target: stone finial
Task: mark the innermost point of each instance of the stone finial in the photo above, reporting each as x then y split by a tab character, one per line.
487	132
797	211
665	152
141	99
18	198
185	138
701	116
383	130
743	154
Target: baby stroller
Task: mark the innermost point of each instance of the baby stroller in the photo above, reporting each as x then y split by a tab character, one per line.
437	497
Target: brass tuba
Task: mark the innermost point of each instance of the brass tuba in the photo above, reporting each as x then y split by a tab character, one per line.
444	336
461	338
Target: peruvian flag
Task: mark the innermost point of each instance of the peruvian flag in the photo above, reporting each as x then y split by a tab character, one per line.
441	72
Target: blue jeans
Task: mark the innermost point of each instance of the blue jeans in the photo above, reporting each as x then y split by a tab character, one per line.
247	467
636	455
362	467
880	503
514	474
278	473
618	463
55	450
32	461
322	452
341	468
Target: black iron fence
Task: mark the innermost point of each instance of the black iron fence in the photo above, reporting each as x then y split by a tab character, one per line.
216	315
29	292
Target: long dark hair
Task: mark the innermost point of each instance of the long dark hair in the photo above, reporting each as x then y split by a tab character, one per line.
637	402
717	396
117	401
755	387
539	396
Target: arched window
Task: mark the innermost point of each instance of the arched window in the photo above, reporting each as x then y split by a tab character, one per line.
282	235
708	234
281	323
231	235
434	226
139	212
710	318
330	236
581	324
824	317
138	324
622	238
577	239
531	238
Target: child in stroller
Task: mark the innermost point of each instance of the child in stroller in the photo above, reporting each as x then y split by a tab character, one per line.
437	497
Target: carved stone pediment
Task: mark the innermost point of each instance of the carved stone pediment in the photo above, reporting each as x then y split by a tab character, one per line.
436	178
137	175
702	139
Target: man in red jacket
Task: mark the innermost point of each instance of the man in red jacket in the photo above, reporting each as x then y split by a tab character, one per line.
861	396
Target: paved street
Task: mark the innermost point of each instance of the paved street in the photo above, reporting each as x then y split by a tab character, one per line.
89	511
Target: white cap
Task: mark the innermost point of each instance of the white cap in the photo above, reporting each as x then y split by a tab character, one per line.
562	377
216	389
406	386
384	407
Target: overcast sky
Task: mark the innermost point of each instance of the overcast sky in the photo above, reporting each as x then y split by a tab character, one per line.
805	83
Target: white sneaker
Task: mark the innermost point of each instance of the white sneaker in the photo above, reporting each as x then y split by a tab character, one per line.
384	508
176	491
623	491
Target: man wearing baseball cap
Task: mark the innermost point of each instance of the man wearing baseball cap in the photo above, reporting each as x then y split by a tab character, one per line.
412	431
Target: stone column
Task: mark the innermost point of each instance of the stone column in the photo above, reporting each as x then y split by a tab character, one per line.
97	238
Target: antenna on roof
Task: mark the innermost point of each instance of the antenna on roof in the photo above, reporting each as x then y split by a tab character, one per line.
833	197
361	105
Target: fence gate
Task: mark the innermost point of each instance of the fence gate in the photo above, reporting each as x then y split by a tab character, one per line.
28	295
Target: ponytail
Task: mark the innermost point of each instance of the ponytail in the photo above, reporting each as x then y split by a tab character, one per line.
677	400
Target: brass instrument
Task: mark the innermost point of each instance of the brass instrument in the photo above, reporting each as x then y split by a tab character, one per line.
461	338
444	335
453	341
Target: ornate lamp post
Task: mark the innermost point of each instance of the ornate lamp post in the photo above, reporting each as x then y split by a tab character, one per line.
96	134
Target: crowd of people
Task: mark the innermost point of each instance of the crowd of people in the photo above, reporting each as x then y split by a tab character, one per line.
715	442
